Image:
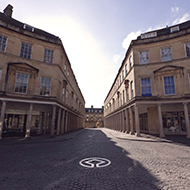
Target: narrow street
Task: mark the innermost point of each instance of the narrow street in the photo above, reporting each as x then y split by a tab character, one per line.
140	163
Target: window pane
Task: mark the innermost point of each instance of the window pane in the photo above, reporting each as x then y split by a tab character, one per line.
169	85
130	62
125	70
26	50
146	86
166	54
131	89
3	41
144	57
45	86
188	49
21	83
48	56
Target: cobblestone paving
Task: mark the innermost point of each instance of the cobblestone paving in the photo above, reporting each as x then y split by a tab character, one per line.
166	160
137	163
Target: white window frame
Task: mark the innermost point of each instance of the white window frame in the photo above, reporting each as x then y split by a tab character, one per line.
28	27
2	44
42	92
17	83
123	96
65	69
67	94
149	35
166	58
186	49
63	95
67	74
174	85
142	58
26	48
126	71
130	62
174	29
146	93
48	55
132	89
127	93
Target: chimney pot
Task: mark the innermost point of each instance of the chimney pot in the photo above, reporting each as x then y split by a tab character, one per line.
8	10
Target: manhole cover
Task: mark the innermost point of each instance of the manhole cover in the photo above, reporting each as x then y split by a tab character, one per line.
95	162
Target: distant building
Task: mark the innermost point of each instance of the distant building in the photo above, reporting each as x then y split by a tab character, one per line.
38	89
94	117
151	92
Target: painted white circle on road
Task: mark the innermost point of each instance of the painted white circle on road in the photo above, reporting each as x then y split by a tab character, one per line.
95	162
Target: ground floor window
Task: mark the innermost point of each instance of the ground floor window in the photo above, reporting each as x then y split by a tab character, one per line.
174	121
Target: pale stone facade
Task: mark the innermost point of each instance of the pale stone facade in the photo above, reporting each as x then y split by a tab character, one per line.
38	92
94	117
151	92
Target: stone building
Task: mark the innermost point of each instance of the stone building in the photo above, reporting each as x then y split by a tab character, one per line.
151	92
94	117
38	89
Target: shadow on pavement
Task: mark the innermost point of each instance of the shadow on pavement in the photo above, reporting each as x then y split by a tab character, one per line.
124	173
179	139
56	166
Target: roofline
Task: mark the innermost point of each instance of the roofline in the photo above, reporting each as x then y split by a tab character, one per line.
133	42
11	21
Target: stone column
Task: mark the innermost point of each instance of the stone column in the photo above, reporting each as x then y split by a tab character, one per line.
45	123
186	119
53	121
42	118
131	121
58	123
29	119
123	122
3	110
160	121
118	121
137	121
115	122
66	122
63	122
77	122
127	121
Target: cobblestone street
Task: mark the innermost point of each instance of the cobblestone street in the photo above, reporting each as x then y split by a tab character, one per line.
140	163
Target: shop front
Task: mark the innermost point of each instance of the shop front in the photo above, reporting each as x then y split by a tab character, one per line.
15	123
174	121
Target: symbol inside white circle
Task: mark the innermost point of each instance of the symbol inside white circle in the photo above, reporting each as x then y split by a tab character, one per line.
95	162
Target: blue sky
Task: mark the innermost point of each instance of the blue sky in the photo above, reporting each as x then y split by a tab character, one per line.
96	33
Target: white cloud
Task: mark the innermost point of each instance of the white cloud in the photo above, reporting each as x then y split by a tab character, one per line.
175	9
132	36
184	18
116	58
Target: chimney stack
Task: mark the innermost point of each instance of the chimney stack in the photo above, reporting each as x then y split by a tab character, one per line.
91	106
8	10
